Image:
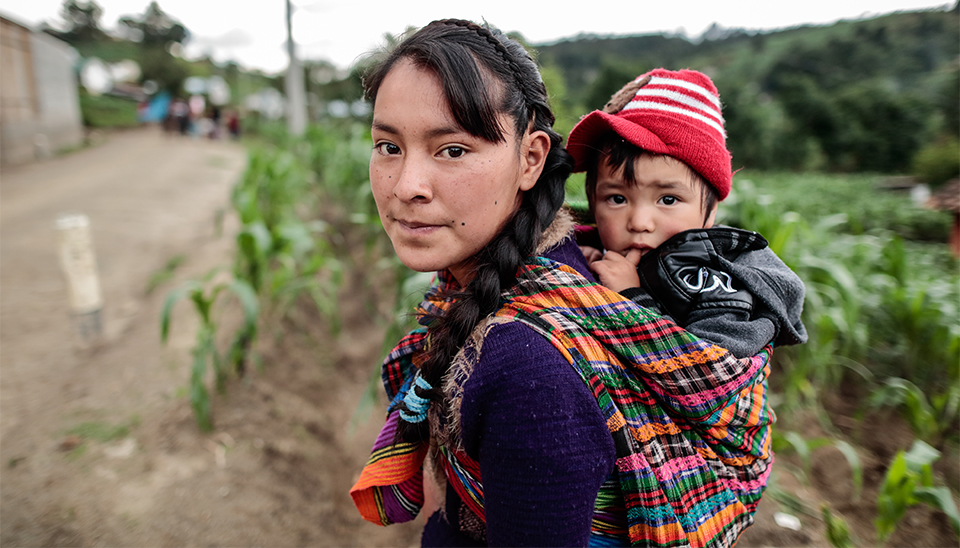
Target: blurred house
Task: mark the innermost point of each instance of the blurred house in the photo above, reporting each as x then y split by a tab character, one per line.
39	101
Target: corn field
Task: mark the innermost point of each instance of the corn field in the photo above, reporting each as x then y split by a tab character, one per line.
882	307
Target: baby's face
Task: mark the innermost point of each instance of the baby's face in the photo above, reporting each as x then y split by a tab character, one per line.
665	201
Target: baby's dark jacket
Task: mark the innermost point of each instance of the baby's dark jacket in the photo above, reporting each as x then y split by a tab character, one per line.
724	285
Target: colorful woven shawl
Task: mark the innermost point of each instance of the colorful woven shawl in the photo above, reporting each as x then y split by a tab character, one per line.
690	422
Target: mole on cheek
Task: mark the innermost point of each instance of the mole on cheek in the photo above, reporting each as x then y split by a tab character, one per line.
463	224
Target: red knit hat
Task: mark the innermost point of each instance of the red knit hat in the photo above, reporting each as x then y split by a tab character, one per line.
664	112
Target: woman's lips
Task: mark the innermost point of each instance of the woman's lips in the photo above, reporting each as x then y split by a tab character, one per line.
417	227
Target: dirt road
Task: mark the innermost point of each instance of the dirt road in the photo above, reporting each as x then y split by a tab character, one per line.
99	447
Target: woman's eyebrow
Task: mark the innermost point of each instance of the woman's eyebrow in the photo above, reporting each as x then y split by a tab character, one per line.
442	131
384	127
429	134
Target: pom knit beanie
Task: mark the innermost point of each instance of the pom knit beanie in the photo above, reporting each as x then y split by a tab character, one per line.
676	113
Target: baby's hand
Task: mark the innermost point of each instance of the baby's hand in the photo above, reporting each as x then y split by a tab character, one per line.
616	271
591	253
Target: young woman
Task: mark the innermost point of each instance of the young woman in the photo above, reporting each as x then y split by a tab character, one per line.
515	384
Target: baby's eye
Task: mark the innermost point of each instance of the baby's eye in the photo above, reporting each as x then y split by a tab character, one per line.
387	148
453	152
669	200
617	199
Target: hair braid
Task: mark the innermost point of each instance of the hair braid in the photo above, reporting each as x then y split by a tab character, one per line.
455	50
487	35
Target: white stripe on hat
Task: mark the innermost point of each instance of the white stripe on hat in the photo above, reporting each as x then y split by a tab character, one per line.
651	105
707	94
678	97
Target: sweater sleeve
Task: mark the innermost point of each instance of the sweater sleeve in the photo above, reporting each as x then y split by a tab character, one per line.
541	441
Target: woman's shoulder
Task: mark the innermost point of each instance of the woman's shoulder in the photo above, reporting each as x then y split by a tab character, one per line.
520	374
510	346
514	357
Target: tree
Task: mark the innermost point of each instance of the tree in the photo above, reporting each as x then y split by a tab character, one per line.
167	71
156	31
155	27
81	21
882	129
613	75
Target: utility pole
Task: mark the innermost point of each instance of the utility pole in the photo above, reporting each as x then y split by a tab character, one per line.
296	98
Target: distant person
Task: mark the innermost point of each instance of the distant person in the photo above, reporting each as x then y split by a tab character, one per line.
215	119
181	112
198	105
170	122
233	124
657	164
142	110
547	403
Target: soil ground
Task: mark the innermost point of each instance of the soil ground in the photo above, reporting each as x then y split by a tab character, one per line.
98	444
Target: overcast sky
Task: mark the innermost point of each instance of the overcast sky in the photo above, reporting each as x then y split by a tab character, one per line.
253	33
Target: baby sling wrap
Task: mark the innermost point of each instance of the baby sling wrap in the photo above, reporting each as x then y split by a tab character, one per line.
690	422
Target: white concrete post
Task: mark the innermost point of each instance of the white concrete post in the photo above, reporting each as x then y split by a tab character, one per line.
79	265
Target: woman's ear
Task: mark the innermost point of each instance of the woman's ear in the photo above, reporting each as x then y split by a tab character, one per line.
533	155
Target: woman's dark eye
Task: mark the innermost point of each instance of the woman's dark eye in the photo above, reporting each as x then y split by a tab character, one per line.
454	152
388	148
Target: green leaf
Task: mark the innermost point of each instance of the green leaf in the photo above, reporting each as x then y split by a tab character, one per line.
802	447
896	473
172	298
920	455
856	468
838	533
248	300
261	236
942	499
837	273
199	396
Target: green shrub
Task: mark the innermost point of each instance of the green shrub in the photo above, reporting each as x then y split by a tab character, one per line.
938	162
860	199
104	111
909	481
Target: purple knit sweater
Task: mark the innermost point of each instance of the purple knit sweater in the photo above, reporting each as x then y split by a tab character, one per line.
537	432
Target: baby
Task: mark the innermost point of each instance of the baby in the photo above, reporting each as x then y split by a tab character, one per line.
657	165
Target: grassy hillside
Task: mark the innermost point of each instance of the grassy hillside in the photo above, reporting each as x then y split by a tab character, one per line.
864	95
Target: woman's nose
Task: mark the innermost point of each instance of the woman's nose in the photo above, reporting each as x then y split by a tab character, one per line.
413	183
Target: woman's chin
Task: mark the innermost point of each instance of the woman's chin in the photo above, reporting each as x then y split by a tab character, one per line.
420	262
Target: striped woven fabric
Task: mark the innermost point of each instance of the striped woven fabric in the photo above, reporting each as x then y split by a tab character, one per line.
390	488
690	422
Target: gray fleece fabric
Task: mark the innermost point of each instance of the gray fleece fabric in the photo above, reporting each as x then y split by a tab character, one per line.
764	302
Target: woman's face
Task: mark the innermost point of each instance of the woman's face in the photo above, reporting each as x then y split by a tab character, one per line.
442	193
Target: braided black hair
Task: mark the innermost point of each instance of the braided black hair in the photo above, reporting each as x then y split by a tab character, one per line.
463	56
